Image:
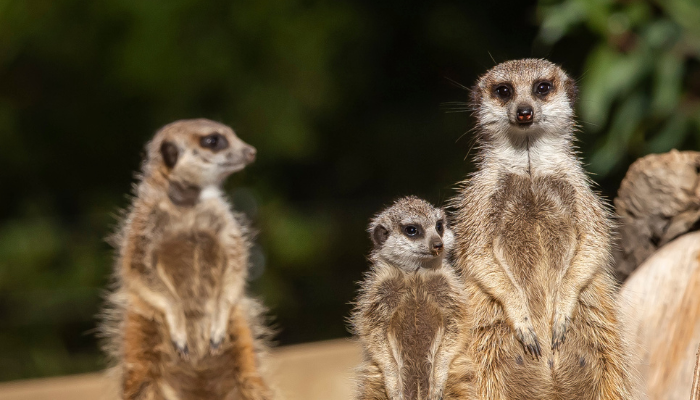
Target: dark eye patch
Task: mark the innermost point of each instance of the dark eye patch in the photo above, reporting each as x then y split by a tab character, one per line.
503	91
440	227
214	142
543	88
412	230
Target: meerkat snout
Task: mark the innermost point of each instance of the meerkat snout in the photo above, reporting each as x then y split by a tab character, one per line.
524	114
437	245
249	154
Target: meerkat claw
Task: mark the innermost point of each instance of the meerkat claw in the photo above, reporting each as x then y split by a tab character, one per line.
559	328
182	350
215	345
530	342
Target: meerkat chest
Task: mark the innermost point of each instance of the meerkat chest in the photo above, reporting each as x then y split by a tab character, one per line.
192	253
417	328
535	220
192	262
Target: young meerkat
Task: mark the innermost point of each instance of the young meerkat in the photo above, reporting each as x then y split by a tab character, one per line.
179	324
533	244
409	311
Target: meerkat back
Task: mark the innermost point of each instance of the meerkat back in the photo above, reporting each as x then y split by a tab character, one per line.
179	324
533	243
409	310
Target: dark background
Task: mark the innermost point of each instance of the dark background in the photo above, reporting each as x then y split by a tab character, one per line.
344	102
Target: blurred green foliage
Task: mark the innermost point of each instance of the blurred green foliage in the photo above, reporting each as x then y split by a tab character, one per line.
641	81
342	100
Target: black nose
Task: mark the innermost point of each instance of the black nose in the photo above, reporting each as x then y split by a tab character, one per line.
525	114
437	245
249	154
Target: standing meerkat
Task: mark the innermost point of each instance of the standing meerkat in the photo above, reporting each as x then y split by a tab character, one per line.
179	324
533	244
409	311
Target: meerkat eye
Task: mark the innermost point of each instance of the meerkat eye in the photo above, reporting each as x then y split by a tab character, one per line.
440	228
214	142
410	230
543	88
504	92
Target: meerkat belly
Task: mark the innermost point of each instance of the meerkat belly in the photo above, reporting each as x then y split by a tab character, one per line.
416	330
537	238
192	264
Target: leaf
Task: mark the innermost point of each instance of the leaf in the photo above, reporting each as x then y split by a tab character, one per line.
609	75
668	80
670	136
625	123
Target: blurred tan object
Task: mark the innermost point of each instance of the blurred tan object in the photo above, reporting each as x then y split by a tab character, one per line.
695	393
312	371
660	308
658	200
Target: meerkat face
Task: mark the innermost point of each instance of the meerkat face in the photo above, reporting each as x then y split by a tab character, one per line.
194	155
199	152
411	234
522	98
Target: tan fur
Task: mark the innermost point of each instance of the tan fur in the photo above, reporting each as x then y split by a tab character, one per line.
178	323
409	311
533	244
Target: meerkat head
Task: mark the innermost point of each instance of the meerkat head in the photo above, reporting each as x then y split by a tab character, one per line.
524	98
411	234
194	155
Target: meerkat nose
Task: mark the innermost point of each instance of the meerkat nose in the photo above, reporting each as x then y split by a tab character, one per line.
249	153
437	245
525	114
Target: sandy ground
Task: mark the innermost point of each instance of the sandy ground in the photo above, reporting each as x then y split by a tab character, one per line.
312	371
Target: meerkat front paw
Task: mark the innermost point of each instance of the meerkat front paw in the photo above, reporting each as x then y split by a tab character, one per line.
178	332
526	335
216	339
560	324
182	349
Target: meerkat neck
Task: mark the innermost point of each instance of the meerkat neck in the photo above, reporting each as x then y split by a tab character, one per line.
156	188
531	155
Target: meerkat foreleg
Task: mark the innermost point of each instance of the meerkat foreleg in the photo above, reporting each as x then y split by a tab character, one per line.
392	371
173	313
440	359
497	279
146	278
588	257
232	290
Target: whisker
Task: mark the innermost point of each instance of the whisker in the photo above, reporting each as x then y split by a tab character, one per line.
454	82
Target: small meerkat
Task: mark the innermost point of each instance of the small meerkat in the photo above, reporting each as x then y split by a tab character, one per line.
410	307
179	324
533	245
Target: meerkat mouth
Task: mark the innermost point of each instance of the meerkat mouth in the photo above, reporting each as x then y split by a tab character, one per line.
430	255
233	166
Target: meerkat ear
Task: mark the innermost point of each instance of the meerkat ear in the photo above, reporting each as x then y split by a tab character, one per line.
571	90
379	235
474	97
170	153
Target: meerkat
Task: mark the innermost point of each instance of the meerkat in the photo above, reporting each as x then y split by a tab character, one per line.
533	244
179	324
407	316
